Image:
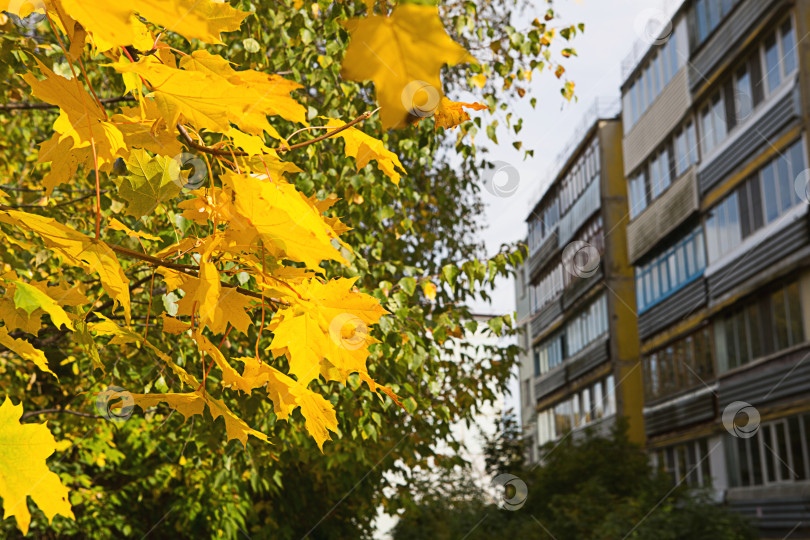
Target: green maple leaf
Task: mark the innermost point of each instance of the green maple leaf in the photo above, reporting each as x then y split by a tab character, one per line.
152	180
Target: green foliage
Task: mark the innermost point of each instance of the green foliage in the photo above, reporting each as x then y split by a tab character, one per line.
595	488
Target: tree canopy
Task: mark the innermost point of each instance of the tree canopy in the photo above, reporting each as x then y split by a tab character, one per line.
239	241
597	487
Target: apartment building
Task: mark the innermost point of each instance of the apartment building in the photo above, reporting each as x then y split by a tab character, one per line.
576	297
715	115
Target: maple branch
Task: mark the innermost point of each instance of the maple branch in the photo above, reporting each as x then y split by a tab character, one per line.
29	414
63	203
189	270
217	152
25	105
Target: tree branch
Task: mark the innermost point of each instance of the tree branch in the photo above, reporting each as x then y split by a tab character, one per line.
29	414
25	105
218	152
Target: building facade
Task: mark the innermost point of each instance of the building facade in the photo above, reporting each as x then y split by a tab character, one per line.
576	298
715	149
714	140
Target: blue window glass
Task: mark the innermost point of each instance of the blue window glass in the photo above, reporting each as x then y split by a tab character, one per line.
773	70
769	193
702	20
788	47
670	270
785	183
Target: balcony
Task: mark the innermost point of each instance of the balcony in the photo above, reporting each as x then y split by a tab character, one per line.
586	360
549	382
771	119
692	409
673	309
780	377
579	286
547	315
728	39
760	252
657	122
581	211
664	215
542	256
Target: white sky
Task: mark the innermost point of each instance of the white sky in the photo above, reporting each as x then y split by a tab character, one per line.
612	27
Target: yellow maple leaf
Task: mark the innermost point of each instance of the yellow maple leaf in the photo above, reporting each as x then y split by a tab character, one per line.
288	394
111	22
205	297
209	94
23	471
326	328
272	92
363	148
403	54
451	113
143	127
116	225
81	122
192	403
77	249
174	326
25	350
282	217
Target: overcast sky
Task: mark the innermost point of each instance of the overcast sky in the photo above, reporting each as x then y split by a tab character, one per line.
611	29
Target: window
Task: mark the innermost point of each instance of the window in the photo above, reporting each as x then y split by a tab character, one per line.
788	43
652	78
756	77
773	73
579	409
587	326
591	234
723	229
777	453
762	325
759	200
685	363
549	287
638	194
687	463
653	178
743	95
610	396
660	173
670	270
709	14
548	355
